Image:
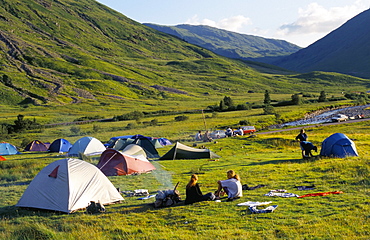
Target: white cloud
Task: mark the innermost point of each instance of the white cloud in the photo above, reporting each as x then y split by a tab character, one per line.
234	23
317	19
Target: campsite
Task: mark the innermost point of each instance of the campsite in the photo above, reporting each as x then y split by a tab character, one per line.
271	159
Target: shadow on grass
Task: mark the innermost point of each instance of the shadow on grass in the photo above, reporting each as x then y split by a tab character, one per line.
312	159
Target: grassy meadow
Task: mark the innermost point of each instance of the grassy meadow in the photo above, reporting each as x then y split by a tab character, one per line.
271	159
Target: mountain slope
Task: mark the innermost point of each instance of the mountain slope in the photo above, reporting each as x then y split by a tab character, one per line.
345	50
229	44
61	52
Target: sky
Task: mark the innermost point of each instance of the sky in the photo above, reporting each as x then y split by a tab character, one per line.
301	22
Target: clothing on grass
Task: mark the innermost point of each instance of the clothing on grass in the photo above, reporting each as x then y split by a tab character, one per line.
320	194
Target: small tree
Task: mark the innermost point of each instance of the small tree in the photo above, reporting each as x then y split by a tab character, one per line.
296	99
267	100
322	97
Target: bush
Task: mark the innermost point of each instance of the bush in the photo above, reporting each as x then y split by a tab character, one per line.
181	118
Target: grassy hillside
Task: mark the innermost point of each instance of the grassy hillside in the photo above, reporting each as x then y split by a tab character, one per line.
229	44
84	55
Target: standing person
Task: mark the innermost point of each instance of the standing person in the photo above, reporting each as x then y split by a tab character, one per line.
302	137
193	192
231	186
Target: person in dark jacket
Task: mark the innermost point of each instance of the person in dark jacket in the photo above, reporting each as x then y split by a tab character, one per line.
193	192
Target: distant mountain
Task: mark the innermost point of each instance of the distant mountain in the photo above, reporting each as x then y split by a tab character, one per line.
81	52
345	50
229	44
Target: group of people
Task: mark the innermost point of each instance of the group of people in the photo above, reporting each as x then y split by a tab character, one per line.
206	137
230	132
231	187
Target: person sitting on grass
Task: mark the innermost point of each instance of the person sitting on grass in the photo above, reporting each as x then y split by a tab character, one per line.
231	186
193	192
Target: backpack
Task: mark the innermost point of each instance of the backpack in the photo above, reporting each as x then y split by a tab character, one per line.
94	207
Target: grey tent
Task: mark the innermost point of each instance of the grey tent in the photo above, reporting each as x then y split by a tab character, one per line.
181	151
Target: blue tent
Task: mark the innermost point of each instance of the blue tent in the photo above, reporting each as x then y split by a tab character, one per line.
338	145
60	145
8	149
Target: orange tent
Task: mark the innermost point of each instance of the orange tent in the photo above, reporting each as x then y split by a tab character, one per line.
116	163
2	158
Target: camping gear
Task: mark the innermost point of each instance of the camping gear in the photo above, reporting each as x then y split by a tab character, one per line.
148	147
116	163
8	149
338	145
156	143
269	209
134	150
164	141
181	151
68	185
320	194
87	146
60	145
112	140
253	204
36	146
95	207
2	158
121	143
167	198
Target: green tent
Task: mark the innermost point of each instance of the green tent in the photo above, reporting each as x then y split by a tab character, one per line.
181	151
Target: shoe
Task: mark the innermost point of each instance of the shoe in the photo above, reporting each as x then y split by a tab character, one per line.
230	199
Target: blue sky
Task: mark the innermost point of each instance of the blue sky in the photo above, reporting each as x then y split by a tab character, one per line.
301	22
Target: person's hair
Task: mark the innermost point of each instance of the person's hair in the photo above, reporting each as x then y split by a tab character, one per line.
232	174
302	130
193	181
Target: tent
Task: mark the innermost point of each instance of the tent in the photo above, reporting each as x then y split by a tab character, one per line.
338	145
2	158
68	185
148	147
164	141
156	143
8	149
87	146
181	151
112	140
115	163
134	150
60	145
36	146
121	143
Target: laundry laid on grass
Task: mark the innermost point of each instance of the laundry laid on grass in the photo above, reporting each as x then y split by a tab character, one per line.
280	193
302	188
320	194
253	204
269	209
245	187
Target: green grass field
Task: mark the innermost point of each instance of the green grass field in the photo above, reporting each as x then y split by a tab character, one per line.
270	159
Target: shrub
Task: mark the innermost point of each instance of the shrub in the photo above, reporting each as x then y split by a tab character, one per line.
181	118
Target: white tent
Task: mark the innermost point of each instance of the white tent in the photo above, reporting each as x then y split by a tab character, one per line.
68	185
87	146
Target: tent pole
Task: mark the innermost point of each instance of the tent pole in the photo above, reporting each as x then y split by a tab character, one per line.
108	160
204	121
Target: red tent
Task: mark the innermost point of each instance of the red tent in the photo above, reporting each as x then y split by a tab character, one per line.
115	163
2	158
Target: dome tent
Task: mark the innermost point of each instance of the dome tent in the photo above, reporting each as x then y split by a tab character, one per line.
8	149
60	145
338	145
88	146
68	185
